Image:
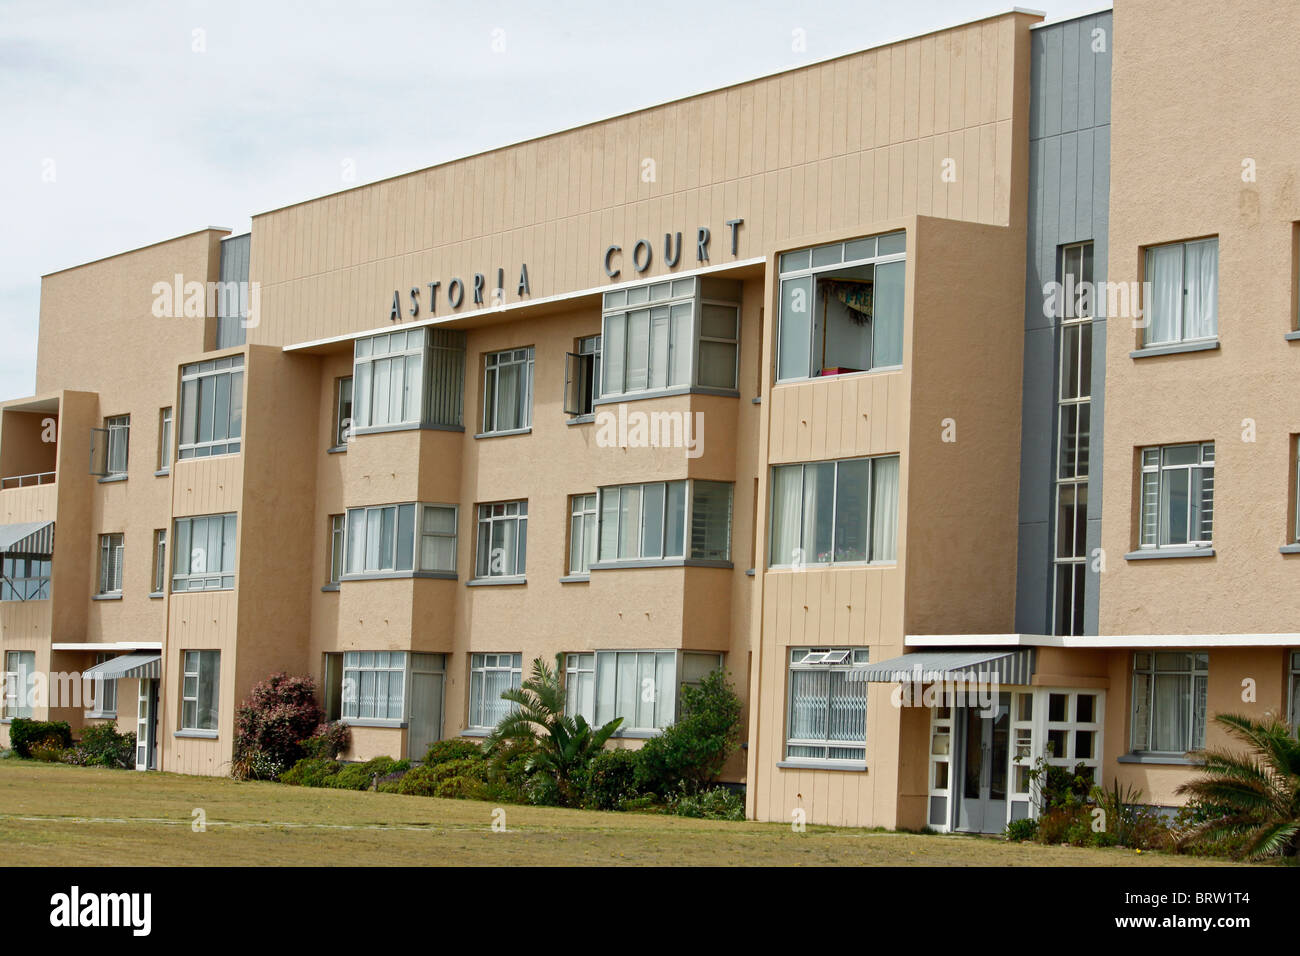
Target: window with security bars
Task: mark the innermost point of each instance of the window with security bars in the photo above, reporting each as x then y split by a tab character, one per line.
489	675
1074	406
1169	701
111	548
1177	489
827	718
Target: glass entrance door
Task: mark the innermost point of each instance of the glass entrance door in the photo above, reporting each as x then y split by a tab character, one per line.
146	725
985	742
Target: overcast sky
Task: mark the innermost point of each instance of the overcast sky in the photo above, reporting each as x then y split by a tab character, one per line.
125	127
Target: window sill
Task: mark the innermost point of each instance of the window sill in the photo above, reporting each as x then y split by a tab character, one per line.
845	765
496	582
1149	554
106	597
576	579
660	563
1173	760
106	715
750	572
162	472
369	722
398	576
406	427
1292	336
756	401
109	479
330	589
665	393
196	734
506	433
155	595
831	566
337	450
1174	348
840	375
582	419
476	732
1289	549
638	734
179	591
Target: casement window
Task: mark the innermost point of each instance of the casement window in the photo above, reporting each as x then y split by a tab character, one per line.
582	533
1294	710
835	512
639	686
1073	409
204	553
489	675
109	446
1182	292
200	690
676	333
20	675
105	691
502	539
397	538
342	411
1295	501
159	581
111	548
841	308
827	717
164	439
1169	701
408	378
25	577
582	377
580	686
1178	496
507	391
374	685
212	407
649	522
336	549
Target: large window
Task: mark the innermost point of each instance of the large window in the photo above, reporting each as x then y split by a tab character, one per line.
212	407
410	377
1178	496
489	675
200	690
582	533
582	377
671	334
828	704
508	390
159	579
1169	691
1183	300
204	554
835	512
111	548
1073	408
841	308
639	686
385	539
374	685
25	577
649	522
20	675
502	539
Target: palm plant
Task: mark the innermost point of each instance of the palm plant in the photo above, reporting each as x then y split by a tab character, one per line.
1259	789
558	745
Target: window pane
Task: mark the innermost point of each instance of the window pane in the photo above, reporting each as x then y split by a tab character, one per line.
795	331
675	520
851	491
652	520
405	537
787	505
1164	272
629	522
711	521
884	509
1174	492
818	511
683	344
887	316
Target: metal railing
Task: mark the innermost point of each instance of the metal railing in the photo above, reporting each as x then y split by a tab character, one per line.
25	481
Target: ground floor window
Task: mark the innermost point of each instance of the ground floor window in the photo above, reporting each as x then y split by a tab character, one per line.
641	687
199	692
827	718
1295	692
374	685
20	671
489	675
105	691
1169	701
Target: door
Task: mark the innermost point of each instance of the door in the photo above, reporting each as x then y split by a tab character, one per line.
985	760
426	713
146	725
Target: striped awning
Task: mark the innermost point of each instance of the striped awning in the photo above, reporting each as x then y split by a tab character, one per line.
27	537
971	666
142	664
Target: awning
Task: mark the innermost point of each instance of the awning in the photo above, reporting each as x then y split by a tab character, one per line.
142	665
976	665
28	537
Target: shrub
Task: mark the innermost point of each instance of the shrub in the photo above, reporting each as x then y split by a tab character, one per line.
1019	830
462	779
102	746
718	803
24	732
328	741
279	712
311	772
359	776
1060	823
47	750
693	750
610	782
441	751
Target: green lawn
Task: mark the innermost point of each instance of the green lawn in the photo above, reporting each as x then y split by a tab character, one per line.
51	814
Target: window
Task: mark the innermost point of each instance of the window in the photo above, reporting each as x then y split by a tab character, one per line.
1169	689
582	533
508	390
1295	693
109	446
411	377
828	704
110	563
1178	496
159	561
502	539
582	377
580	686
105	691
835	512
199	692
342	411
204	558
374	685
1074	405
640	686
385	538
489	675
1073	728
648	522
20	675
25	575
212	407
164	439
1183	302
841	308
651	334
336	549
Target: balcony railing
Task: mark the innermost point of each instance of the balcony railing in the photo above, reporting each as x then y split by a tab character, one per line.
24	481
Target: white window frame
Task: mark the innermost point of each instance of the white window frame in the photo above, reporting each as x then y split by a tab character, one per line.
374	359
105	690
493	363
664	549
159	577
20	670
582	377
850	661
338	549
343	423
489	515
164	440
118	430
480	665
112	550
194	381
1154	473
870	508
584	531
1197	700
1181	337
1293	688
580	672
193	668
375	668
207	577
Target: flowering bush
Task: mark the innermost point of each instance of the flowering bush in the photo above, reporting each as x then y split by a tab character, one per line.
102	746
328	742
279	713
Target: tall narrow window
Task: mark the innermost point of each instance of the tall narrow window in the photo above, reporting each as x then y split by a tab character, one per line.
164	439
336	549
508	390
502	539
827	716
1073	417
109	446
342	411
212	407
649	522
159	561
1294	709
835	512
1177	489
489	675
582	377
200	690
1182	304
20	675
580	686
111	547
204	558
582	533
105	691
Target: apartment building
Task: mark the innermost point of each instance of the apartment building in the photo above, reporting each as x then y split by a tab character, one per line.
773	379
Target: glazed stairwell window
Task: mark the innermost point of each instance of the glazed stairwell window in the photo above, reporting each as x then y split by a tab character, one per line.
648	523
1182	289
212	407
109	446
835	512
507	391
841	308
200	690
502	540
407	379
1177	489
203	556
827	720
386	540
1169	701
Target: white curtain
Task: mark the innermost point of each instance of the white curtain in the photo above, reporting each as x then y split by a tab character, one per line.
884	509
1201	318
1170	732
1164	273
787	495
508	393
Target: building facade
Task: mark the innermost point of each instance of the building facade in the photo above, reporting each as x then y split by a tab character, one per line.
805	379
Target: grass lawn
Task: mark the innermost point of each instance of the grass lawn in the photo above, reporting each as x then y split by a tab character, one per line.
52	814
